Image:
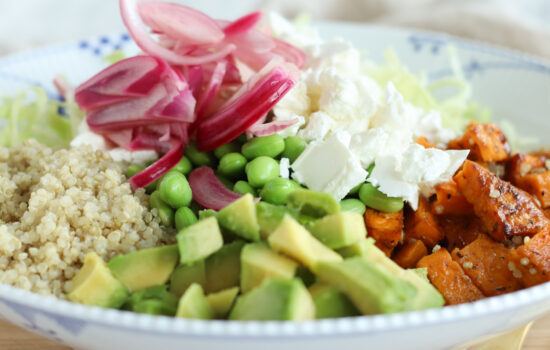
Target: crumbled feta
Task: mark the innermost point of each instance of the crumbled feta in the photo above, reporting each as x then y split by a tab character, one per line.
329	166
352	122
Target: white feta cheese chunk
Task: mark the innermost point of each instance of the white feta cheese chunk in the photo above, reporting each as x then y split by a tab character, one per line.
376	142
329	166
295	102
284	168
415	172
318	126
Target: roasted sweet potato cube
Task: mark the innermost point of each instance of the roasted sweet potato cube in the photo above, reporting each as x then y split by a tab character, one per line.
408	256
537	184
486	142
504	209
385	228
537	250
449	200
421	224
449	278
486	262
522	164
524	270
460	231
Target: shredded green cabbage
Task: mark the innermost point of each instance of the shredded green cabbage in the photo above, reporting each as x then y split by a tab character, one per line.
31	114
456	110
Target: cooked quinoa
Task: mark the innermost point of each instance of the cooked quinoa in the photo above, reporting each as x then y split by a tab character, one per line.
58	205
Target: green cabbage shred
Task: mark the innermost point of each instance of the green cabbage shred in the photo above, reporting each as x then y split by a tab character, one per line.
32	114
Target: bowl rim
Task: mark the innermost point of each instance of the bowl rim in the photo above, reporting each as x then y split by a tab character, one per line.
337	327
360	325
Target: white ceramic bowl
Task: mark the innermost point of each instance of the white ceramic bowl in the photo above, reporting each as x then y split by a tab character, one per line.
516	87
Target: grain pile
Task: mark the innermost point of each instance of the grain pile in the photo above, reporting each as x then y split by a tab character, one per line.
58	205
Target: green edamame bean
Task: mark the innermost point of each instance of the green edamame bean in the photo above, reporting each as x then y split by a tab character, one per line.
267	146
175	190
184	217
294	146
354	205
276	190
197	157
232	165
184	166
229	147
225	181
165	213
373	198
243	187
261	170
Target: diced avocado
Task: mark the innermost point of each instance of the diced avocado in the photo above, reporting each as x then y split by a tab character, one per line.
340	229
330	302
155	300
312	203
275	299
223	269
145	268
199	240
240	219
269	217
259	262
154	307
185	275
426	297
292	239
222	301
193	304
95	285
358	248
372	289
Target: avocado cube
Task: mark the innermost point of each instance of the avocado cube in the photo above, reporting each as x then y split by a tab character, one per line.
340	229
154	307
292	239
199	240
359	248
240	218
159	293
95	285
223	268
259	262
312	203
427	295
185	275
330	302
275	299
222	301
145	268
193	304
371	288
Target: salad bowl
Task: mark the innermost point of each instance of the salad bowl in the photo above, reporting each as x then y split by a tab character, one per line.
515	87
